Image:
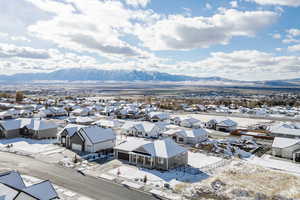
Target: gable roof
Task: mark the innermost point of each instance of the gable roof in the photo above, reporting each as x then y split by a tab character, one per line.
193	133
72	129
12	179
7	192
191	120
280	142
37	124
224	122
13	124
284	130
132	144
140	126
159	115
42	191
96	134
109	123
165	148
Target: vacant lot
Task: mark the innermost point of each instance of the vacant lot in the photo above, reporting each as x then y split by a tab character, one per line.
242	180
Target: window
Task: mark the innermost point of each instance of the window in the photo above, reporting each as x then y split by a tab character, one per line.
161	161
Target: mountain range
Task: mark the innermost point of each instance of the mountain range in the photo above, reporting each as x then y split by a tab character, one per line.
79	74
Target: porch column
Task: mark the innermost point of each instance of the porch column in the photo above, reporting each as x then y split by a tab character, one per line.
167	164
294	157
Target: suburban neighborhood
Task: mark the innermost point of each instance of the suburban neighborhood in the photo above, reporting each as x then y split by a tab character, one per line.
162	152
149	100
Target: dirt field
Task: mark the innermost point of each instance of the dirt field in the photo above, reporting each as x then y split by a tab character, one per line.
241	180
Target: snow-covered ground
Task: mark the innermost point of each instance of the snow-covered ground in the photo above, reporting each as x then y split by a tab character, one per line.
273	163
157	178
199	160
243	180
30	146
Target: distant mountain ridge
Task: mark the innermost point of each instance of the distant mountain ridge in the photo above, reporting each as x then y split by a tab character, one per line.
88	74
77	74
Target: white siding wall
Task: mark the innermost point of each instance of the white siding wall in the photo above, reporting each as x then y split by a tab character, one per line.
104	145
288	152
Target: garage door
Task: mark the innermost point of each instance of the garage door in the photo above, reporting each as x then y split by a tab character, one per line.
77	147
123	156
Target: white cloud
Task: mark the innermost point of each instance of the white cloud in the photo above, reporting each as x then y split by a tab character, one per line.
294	47
234	4
9	51
291	36
96	26
3	34
293	3
276	36
178	32
208	6
137	3
256	64
294	32
20	38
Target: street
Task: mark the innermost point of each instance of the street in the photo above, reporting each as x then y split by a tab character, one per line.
70	179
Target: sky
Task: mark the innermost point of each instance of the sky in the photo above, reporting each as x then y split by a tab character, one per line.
238	39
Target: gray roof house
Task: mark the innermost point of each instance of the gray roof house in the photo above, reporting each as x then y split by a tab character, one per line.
286	148
34	128
222	124
87	138
284	130
187	136
159	154
12	187
141	129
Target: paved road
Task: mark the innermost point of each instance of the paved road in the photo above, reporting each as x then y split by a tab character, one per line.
70	179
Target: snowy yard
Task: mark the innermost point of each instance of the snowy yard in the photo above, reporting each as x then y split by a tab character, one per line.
158	178
242	180
29	146
199	160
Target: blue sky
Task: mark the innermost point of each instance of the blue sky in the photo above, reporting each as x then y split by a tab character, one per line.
238	39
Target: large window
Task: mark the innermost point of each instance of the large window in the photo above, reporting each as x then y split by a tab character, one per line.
161	161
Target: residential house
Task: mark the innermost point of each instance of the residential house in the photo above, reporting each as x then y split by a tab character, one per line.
88	138
286	148
9	114
185	136
80	120
186	121
109	123
64	137
34	128
225	125
39	129
287	130
159	154
141	129
190	122
12	187
157	116
82	112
